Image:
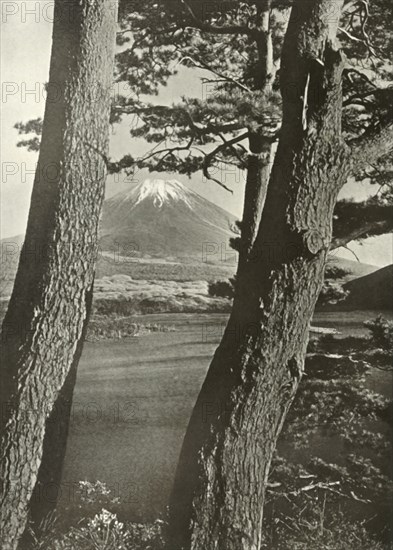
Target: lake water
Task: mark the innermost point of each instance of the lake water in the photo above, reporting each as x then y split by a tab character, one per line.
133	399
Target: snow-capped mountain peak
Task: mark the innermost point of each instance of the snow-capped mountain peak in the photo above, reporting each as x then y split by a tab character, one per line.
162	191
163	218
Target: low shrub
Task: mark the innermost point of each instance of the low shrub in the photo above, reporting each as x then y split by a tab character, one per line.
381	332
318	532
89	525
223	289
105	532
332	293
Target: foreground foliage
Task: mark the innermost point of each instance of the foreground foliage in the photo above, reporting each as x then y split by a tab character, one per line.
335	447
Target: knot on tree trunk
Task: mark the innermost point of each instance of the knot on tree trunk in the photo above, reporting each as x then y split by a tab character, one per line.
315	241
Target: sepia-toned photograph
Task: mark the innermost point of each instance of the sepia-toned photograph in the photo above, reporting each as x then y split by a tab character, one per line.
196	275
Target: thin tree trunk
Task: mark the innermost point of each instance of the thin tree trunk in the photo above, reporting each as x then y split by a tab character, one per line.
259	165
218	496
260	158
44	323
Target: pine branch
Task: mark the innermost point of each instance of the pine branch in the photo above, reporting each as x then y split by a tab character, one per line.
148	111
202	65
372	228
374	143
206	27
210	156
359	220
167	151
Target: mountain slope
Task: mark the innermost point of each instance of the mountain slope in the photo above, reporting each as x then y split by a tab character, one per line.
354	269
165	219
373	291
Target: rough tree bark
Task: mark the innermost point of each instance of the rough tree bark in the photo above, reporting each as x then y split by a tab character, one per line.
48	487
218	496
43	328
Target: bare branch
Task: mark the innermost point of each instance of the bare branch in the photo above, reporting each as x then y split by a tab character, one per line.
208	176
351	251
202	65
361	74
349	35
356	99
210	156
166	150
362	12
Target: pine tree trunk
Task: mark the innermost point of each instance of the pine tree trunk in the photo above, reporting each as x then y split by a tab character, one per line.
259	165
44	323
218	496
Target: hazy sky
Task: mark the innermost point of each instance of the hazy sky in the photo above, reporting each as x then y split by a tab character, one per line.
25	51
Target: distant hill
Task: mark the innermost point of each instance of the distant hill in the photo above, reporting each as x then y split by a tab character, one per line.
354	269
373	291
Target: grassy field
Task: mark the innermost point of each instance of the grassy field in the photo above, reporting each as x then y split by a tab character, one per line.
133	399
